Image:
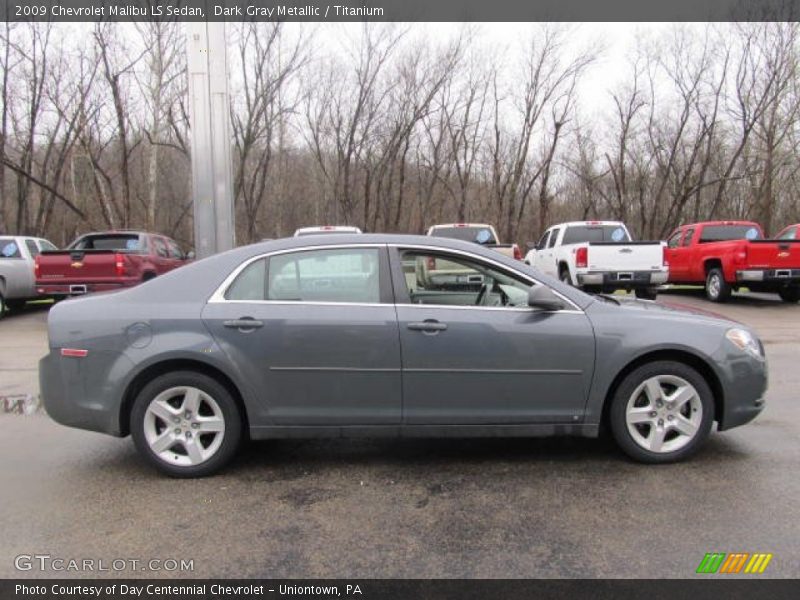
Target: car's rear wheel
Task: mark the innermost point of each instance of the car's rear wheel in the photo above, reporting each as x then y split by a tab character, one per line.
186	424
662	412
647	293
3	306
717	289
564	276
790	294
15	305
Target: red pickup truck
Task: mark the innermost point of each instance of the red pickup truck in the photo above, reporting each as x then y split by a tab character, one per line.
106	261
727	255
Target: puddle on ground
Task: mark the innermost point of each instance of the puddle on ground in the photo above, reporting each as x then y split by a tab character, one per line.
21	404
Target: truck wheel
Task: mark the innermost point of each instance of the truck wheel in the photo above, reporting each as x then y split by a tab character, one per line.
662	412
2	305
717	289
790	294
15	305
648	293
186	424
563	276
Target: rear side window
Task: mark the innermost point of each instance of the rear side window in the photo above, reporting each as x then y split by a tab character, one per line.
331	275
479	235
111	241
577	234
250	284
9	248
553	238
32	247
687	239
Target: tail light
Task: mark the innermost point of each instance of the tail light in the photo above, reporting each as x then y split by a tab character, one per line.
664	259
37	268
517	252
119	260
582	257
431	263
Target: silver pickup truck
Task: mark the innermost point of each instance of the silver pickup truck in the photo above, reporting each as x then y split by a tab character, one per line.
17	263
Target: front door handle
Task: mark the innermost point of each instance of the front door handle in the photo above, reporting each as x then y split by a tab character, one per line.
428	326
243	324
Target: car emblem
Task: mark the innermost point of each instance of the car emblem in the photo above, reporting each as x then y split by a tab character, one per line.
783	254
76	265
626	250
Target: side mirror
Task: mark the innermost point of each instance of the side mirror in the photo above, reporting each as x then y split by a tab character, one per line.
189	255
540	296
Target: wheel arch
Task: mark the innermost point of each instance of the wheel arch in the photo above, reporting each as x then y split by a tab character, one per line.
711	263
690	359
177	364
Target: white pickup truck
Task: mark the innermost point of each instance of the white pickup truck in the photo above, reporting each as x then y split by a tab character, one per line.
17	277
599	256
480	233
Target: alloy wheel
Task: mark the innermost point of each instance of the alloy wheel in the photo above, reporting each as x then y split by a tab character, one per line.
184	426
664	414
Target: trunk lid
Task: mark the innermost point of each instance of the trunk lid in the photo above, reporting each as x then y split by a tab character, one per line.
625	256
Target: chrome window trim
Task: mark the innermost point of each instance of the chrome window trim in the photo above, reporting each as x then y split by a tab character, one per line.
218	297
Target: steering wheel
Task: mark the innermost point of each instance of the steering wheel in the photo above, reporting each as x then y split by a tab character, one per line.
482	294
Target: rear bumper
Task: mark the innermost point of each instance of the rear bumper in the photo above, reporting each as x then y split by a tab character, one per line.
79	288
623	279
76	391
778	277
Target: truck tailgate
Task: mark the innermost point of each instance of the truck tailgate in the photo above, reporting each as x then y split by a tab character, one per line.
773	254
625	256
74	266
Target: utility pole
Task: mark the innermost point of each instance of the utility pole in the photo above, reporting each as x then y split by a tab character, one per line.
209	114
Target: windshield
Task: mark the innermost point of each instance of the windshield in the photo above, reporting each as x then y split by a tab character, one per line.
480	235
721	233
108	241
577	234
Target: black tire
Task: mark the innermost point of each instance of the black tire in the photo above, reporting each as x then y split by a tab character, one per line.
648	293
717	289
563	275
230	411
15	305
619	403
3	306
790	294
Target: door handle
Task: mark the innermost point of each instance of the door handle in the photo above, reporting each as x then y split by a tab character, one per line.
428	326
243	323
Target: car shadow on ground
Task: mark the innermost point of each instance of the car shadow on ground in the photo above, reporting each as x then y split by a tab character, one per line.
736	299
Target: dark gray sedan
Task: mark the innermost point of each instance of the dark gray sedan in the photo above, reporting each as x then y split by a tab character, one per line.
379	335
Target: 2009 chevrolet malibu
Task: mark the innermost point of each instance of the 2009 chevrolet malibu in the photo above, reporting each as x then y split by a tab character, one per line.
388	335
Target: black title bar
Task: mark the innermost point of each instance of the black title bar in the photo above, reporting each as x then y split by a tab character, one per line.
400	10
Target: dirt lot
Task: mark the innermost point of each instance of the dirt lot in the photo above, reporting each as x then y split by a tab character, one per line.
413	508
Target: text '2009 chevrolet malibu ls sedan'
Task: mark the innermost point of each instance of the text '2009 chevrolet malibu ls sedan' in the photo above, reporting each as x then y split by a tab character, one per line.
388	335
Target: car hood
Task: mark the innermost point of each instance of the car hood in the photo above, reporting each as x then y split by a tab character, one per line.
672	308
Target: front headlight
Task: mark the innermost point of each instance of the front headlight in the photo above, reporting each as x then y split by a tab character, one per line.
746	341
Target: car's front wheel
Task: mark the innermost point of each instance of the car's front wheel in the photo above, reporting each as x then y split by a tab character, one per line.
647	293
186	424
662	412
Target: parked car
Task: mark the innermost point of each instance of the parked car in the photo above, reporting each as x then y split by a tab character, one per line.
479	233
17	283
334	337
726	255
600	256
105	261
792	232
325	229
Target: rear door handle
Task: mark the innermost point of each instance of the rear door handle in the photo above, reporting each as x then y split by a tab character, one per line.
428	326
243	323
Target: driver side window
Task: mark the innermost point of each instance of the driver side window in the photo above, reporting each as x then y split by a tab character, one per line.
448	280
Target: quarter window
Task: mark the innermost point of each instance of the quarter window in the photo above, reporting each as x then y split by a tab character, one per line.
441	279
330	275
553	238
250	284
687	239
675	239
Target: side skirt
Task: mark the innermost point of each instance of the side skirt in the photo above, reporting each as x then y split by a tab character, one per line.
419	431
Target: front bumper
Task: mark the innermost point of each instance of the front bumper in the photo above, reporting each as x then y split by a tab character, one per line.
773	276
623	279
744	388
